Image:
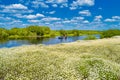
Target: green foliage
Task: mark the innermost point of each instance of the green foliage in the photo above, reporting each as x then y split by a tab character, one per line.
14	31
3	33
82	32
75	32
36	29
110	33
14	37
30	31
39	30
43	31
89	32
63	32
90	37
52	34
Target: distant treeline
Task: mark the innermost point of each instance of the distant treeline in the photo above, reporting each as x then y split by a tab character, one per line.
110	33
43	31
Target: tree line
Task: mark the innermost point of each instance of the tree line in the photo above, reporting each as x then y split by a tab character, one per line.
44	31
30	31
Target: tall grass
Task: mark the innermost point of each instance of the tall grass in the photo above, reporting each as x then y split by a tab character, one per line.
81	60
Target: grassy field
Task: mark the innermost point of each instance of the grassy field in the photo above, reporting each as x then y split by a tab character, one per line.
80	60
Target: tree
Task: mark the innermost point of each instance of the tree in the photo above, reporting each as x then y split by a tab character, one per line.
3	33
75	32
110	33
39	30
63	32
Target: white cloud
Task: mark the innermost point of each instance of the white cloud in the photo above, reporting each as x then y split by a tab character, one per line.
83	3
74	20
64	5
15	11
54	5
113	19
79	3
52	12
61	1
15	21
98	18
50	19
38	4
34	16
116	17
56	1
86	21
29	16
34	21
78	18
109	20
6	19
85	13
73	8
16	6
67	21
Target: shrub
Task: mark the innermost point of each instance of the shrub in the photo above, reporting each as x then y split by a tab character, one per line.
90	37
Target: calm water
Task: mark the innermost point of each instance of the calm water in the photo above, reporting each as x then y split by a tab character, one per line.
45	41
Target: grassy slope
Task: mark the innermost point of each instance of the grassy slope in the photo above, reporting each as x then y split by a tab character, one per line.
90	60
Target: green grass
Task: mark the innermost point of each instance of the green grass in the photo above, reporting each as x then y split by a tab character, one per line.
80	60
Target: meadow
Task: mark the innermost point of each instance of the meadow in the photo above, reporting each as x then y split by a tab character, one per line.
80	60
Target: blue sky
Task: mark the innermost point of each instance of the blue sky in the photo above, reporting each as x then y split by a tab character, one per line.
61	14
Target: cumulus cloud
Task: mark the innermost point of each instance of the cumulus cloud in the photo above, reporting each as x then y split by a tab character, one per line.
85	21
34	21
78	18
113	19
67	21
54	5
64	5
50	19
109	20
80	3
38	4
98	18
116	17
12	11
34	16
30	16
73	8
16	6
56	1
85	13
52	12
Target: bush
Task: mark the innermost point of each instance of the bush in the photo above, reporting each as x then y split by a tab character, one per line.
14	37
90	37
3	33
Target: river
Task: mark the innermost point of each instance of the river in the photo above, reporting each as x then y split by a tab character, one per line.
45	41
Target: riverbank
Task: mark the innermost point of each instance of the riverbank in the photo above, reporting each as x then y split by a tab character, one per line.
91	59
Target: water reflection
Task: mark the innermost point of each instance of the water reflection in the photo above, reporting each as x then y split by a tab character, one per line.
46	41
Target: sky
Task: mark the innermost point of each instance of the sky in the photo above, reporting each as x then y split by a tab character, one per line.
61	14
